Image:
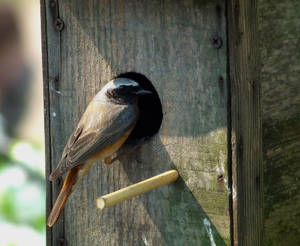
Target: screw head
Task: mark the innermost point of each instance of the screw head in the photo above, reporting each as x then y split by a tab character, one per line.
56	82
62	242
217	42
59	24
52	4
221	80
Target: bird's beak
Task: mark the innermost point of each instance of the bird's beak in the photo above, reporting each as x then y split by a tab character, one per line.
143	92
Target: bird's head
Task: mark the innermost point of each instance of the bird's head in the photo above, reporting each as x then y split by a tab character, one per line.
124	91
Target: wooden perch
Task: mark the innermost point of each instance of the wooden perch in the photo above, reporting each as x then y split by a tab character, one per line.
137	189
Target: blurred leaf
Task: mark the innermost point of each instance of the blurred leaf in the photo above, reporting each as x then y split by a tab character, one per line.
39	223
32	173
7	208
2	165
32	158
22	187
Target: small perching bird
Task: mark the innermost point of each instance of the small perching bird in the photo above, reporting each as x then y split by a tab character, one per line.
105	125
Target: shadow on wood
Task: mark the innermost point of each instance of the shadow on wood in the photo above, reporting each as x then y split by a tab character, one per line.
171	43
174	210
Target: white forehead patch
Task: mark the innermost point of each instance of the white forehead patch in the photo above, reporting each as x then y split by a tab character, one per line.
114	84
124	82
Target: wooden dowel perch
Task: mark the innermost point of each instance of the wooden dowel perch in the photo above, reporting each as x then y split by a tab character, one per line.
137	189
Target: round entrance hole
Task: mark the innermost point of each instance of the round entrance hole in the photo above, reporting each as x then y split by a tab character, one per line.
150	107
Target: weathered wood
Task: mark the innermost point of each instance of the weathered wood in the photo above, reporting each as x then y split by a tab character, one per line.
44	28
51	72
279	37
171	42
46	114
246	136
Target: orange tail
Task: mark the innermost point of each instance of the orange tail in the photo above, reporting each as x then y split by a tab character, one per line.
63	196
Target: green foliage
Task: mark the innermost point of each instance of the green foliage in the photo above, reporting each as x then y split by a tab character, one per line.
7	209
22	189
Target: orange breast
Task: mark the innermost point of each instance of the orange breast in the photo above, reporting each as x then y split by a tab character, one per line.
112	148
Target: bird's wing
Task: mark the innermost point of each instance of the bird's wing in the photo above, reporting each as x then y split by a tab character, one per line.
101	126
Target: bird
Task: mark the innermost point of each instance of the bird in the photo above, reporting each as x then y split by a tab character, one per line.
103	128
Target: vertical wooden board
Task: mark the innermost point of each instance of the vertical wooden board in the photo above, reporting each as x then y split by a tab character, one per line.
171	43
246	138
51	73
279	36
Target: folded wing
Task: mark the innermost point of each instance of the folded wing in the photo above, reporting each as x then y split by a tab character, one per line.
101	126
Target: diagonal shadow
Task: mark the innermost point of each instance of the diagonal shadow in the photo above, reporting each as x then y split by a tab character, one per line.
184	222
166	46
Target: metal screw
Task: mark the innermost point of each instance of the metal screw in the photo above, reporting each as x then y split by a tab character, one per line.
62	242
59	24
221	80
221	84
56	82
217	42
52	4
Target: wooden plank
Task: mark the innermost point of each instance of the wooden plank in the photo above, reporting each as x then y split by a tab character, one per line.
51	72
171	42
46	113
279	48
247	169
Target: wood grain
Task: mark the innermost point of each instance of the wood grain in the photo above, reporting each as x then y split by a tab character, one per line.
279	37
138	189
46	114
171	43
247	168
51	73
